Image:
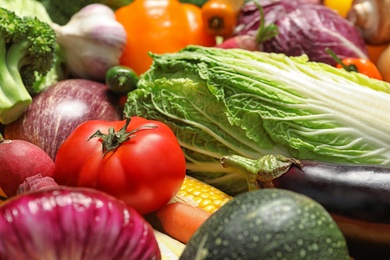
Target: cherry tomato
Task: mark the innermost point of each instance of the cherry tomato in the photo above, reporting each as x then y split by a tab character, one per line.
137	160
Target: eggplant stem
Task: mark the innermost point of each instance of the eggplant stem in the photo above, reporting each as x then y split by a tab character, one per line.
259	173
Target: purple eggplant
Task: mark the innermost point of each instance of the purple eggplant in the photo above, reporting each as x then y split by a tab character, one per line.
357	196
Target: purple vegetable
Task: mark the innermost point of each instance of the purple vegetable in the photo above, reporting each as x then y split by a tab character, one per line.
304	28
73	223
56	112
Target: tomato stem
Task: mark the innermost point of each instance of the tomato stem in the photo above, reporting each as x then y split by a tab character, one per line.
113	139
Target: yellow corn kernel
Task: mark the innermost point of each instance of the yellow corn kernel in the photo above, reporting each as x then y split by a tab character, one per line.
204	195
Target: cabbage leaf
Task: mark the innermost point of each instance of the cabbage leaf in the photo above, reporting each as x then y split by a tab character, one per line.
222	102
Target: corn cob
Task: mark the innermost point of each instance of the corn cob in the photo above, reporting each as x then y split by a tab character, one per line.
201	194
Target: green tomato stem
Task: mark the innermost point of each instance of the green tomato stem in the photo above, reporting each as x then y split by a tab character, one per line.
113	139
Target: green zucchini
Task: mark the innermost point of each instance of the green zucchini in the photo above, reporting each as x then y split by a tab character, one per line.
268	224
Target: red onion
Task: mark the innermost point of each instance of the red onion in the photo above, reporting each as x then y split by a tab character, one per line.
73	223
56	112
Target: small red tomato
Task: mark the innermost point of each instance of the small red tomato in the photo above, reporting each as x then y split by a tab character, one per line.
137	160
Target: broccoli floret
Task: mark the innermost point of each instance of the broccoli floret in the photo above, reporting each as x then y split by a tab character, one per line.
27	52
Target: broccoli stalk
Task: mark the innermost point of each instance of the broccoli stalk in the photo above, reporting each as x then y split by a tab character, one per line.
27	52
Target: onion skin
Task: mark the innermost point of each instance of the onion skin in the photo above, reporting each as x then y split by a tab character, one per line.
56	112
73	223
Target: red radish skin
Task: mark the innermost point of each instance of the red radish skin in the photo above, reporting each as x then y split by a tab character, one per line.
20	159
246	42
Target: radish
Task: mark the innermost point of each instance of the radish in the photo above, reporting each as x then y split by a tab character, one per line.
20	159
252	42
246	42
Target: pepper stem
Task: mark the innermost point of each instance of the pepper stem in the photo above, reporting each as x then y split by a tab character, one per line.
334	56
260	171
113	139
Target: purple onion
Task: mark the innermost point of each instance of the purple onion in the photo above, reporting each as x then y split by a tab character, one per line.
73	223
56	112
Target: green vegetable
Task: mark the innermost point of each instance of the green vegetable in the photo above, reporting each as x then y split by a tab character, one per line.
27	8
221	102
199	3
61	11
121	79
27	52
33	8
268	224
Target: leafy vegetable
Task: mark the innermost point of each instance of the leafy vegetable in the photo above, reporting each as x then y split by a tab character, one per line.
27	8
61	11
304	28
27	51
221	102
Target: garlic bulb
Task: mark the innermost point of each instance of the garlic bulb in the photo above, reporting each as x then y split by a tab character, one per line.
92	41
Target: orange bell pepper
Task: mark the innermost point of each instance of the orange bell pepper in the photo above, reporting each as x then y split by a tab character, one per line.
159	26
221	16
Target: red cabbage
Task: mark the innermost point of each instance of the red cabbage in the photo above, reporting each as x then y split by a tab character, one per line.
73	223
304	28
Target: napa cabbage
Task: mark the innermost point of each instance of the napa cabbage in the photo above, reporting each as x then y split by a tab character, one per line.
221	102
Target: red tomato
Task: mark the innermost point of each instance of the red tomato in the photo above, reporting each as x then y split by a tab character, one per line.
145	171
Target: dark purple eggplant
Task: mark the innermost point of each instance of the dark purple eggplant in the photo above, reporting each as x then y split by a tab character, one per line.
357	196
